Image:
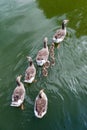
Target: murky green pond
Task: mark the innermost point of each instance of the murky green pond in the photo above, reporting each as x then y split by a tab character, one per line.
23	26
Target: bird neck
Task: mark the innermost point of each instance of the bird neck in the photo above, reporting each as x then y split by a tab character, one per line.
31	63
45	44
18	82
40	96
63	26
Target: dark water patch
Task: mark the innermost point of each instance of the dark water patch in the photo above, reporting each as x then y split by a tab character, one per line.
59	7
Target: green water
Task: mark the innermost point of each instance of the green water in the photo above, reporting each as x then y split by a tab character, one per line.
23	26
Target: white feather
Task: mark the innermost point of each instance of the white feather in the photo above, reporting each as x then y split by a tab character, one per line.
57	40
41	62
29	81
16	104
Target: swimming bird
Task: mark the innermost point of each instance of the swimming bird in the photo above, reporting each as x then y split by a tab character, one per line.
44	71
18	93
45	67
52	58
60	33
30	72
43	54
41	104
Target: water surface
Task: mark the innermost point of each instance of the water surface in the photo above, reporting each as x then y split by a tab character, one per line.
23	26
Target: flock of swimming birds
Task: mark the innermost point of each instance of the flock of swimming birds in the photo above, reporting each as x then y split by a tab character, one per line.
41	101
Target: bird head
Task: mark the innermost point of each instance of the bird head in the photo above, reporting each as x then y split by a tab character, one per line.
18	79
30	60
46	39
65	21
41	93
